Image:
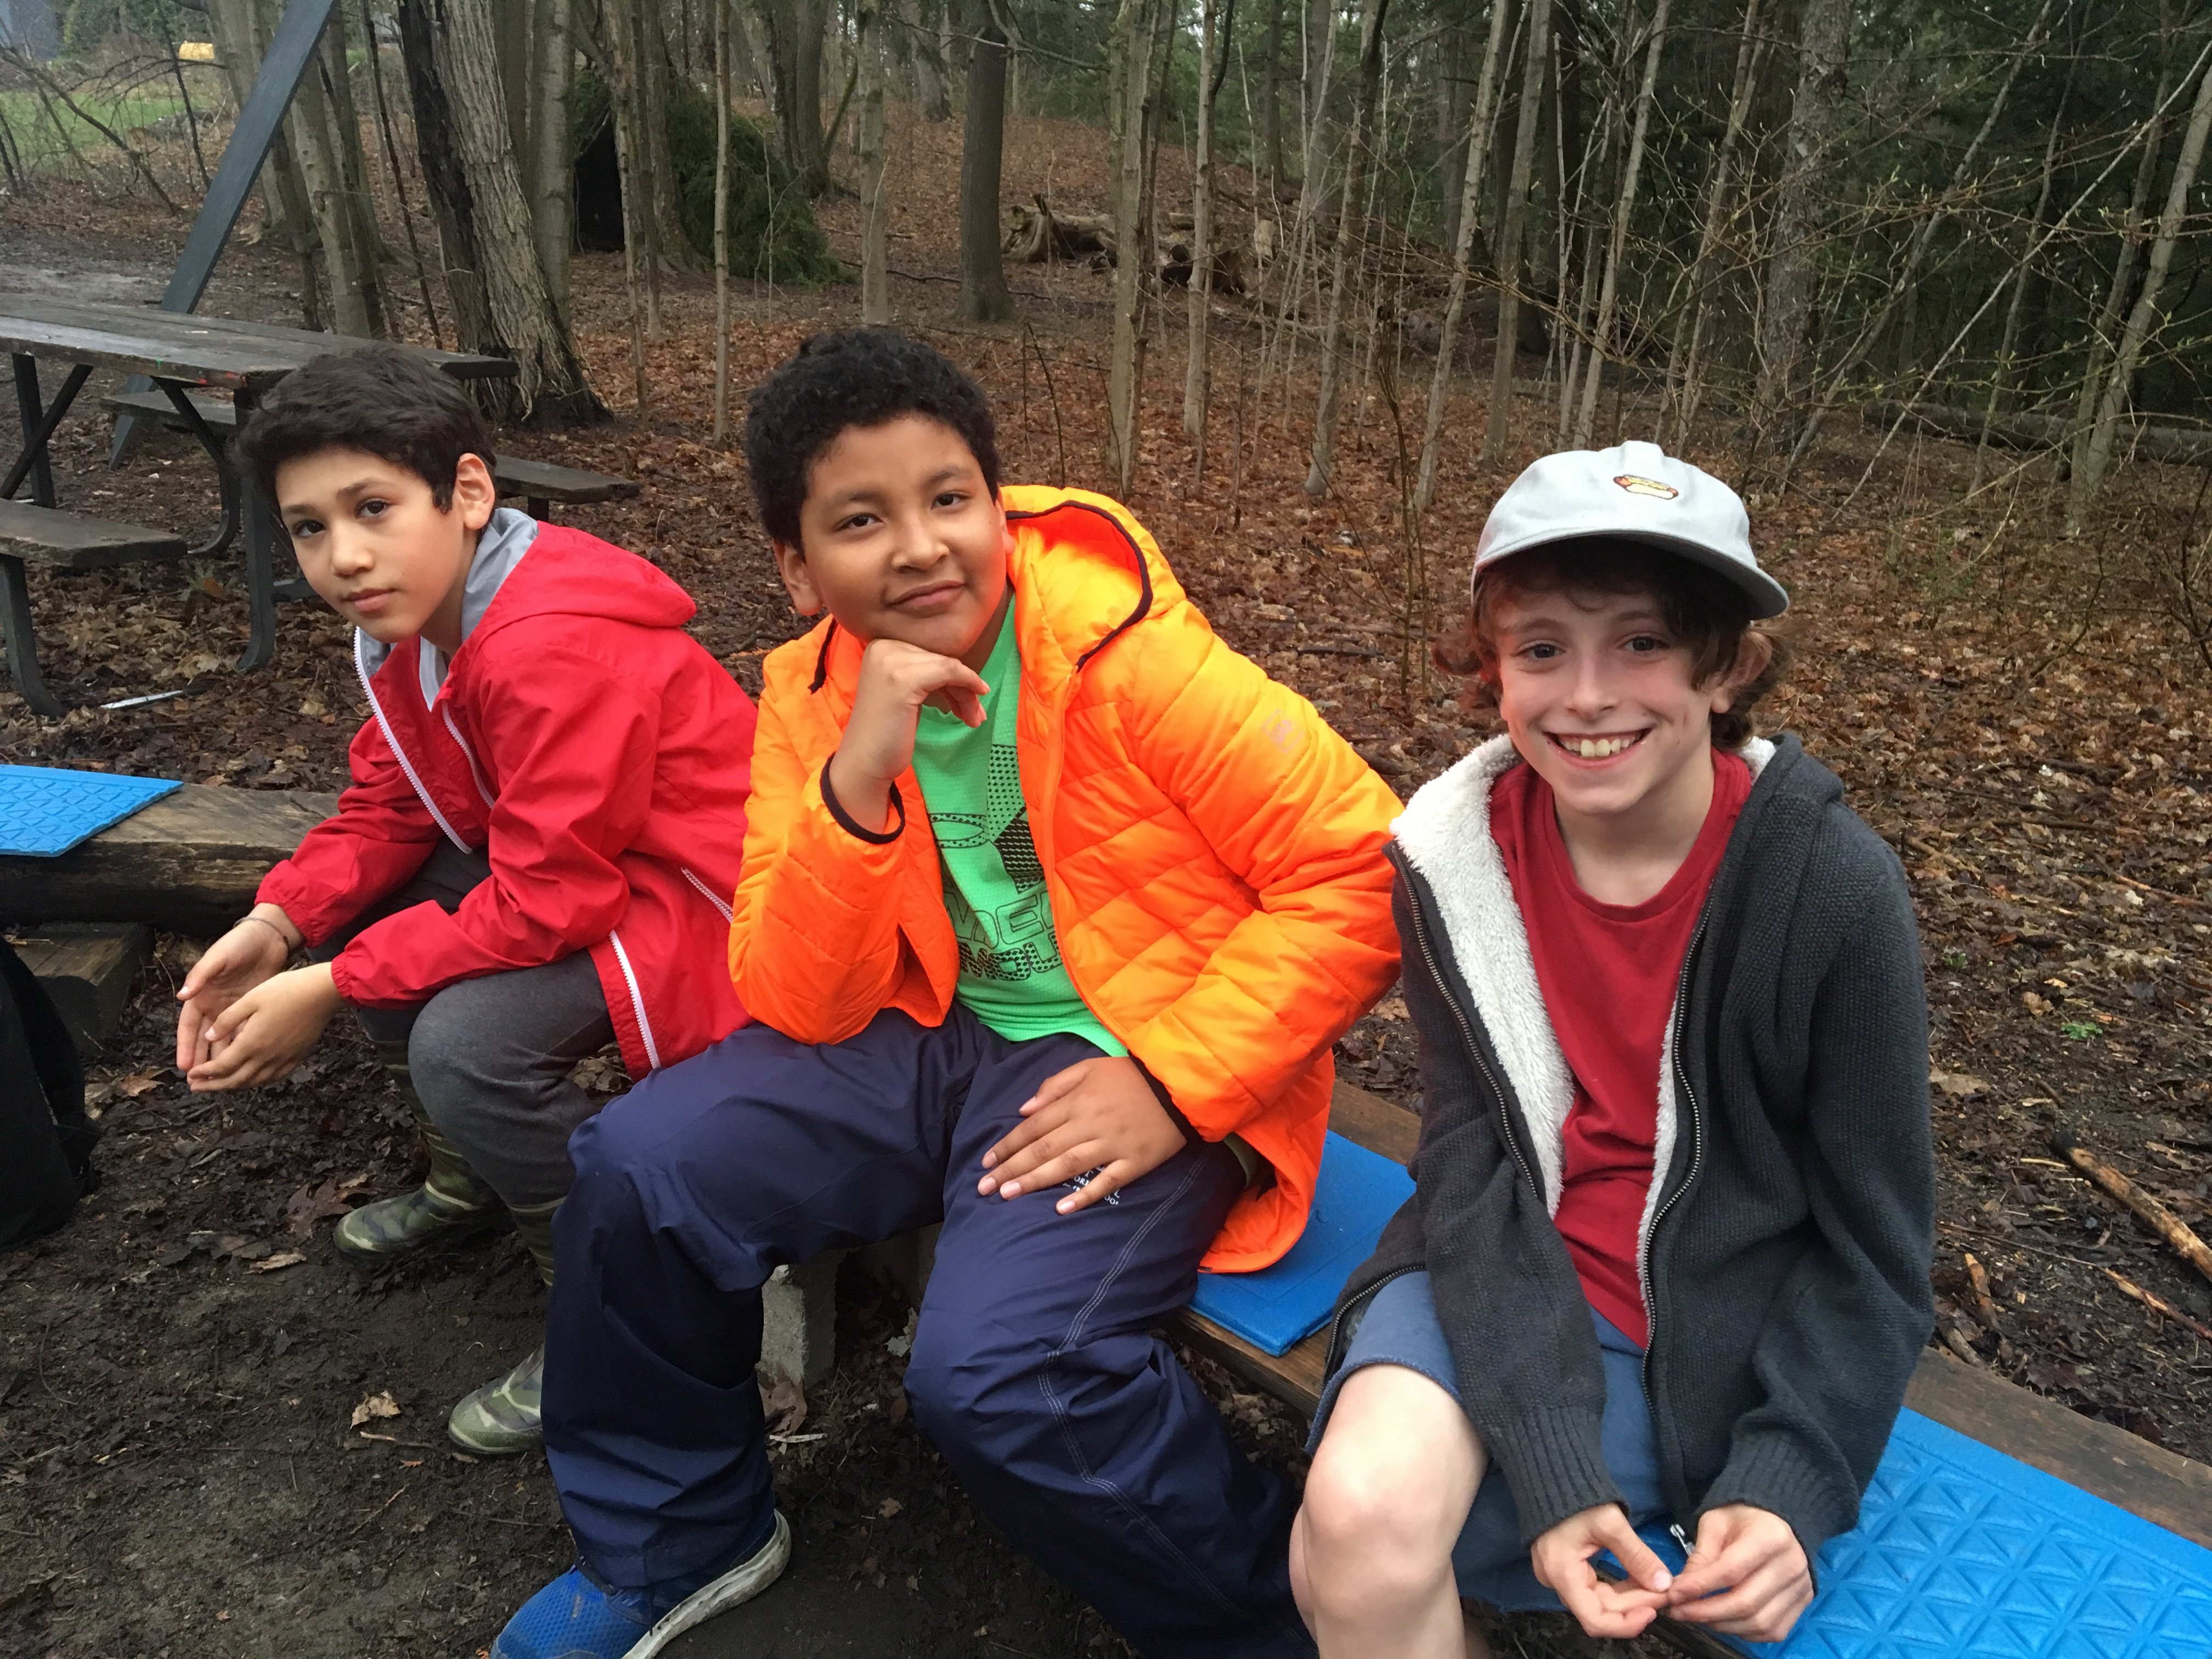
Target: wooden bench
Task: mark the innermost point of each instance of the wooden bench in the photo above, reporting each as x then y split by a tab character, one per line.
540	483
69	544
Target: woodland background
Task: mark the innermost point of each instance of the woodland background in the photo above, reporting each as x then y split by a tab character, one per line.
1306	284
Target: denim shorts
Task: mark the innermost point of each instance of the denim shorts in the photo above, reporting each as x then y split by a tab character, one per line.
1398	1328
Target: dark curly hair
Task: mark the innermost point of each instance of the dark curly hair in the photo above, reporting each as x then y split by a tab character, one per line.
856	377
383	400
1708	615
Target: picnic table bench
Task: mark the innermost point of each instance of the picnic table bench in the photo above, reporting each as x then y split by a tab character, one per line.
179	352
540	483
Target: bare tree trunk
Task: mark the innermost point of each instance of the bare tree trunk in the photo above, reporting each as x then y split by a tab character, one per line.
1196	380
398	179
932	93
795	29
1136	28
1479	126
1511	253
1792	277
552	172
2145	319
461	131
1350	230
672	248
319	146
721	25
2124	274
1270	108
1681	393
287	218
1617	249
634	117
984	296
2001	376
875	255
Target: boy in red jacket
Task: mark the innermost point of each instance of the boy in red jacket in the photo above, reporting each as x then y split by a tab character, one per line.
533	859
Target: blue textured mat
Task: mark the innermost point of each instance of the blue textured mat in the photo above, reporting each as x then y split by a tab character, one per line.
1962	1553
46	810
1359	1191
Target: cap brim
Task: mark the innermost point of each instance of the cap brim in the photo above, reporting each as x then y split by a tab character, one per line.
1769	598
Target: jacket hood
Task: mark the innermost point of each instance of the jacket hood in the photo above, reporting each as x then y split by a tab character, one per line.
545	569
1084	571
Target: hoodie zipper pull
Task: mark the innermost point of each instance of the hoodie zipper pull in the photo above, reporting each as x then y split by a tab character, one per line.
1674	1531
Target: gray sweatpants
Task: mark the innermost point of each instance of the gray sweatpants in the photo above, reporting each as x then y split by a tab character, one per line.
491	1057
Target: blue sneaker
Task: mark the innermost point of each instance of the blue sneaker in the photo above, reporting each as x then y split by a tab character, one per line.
575	1618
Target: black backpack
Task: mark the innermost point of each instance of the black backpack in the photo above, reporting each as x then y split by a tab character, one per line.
46	1139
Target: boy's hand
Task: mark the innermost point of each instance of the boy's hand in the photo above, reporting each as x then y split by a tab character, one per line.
1747	1577
266	1032
249	953
1561	1559
895	679
1097	1114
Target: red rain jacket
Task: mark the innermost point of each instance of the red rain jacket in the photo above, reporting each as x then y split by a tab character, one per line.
601	756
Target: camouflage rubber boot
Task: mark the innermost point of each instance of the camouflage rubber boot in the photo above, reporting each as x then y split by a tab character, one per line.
501	1418
453	1202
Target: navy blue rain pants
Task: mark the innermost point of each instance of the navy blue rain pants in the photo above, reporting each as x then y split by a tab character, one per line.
1033	1370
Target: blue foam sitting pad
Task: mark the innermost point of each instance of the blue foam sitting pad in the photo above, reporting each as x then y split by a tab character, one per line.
1359	1191
1962	1553
46	810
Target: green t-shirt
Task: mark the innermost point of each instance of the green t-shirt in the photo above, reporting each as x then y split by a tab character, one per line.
1012	977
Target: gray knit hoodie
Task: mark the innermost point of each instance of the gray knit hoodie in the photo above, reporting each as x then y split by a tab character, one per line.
1785	1252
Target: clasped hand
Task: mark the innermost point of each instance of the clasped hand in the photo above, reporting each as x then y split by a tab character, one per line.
1748	1576
896	680
1097	1114
244	1020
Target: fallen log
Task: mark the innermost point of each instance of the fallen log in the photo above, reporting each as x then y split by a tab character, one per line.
1040	237
2023	430
189	862
2161	1220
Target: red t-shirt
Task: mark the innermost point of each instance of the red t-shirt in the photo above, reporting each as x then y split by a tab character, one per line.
1607	973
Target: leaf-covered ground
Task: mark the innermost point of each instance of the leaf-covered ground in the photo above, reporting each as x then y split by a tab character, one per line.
2016	713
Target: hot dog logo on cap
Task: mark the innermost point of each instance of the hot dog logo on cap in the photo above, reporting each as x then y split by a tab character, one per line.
1640	486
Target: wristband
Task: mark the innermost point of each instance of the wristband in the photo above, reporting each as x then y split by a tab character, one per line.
289	947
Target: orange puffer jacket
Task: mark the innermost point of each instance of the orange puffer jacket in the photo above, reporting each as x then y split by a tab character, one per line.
1212	849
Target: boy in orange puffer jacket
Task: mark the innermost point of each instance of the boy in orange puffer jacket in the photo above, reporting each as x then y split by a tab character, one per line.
1052	909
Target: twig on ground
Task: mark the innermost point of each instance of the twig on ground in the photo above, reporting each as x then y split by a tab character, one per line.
1977	1276
2157	1304
2161	1220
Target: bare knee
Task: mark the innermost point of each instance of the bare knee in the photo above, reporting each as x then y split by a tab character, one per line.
1373	1535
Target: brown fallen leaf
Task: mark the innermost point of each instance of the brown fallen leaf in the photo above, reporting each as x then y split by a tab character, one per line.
376	1405
283	1259
1958	1084
784	1403
136	1083
324	1200
888	1508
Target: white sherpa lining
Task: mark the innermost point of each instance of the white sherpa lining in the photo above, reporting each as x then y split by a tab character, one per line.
1444	833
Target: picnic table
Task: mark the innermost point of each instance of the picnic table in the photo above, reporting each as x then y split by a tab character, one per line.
178	352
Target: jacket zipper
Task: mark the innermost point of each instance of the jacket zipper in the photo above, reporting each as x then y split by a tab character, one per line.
1474	1052
1696	1157
475	772
707	892
636	1003
399	754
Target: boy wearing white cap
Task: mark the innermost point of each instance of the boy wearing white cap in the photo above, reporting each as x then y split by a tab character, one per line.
1664	1274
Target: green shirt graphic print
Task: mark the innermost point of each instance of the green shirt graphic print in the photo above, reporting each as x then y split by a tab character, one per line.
1012	976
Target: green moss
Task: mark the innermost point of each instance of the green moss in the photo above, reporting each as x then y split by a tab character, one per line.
773	235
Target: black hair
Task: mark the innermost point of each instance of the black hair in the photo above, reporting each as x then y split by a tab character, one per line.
856	377
383	400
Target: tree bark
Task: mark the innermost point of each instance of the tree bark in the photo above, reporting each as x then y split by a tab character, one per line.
721	218
1196	377
984	296
794	31
1270	107
1792	274
875	255
1617	247
2145	319
461	131
318	146
1481	122
1453	46
1511	253
551	173
1681	393
2016	308
1351	229
285	218
932	92
1136	27
2123	275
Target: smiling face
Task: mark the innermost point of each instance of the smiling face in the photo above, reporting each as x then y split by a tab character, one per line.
373	541
1601	700
901	539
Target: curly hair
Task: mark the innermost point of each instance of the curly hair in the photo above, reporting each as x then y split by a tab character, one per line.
1708	615
382	400
856	377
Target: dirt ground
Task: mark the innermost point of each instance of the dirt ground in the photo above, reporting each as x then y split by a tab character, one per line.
2016	714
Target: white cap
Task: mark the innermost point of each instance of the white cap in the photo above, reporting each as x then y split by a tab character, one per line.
1634	492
